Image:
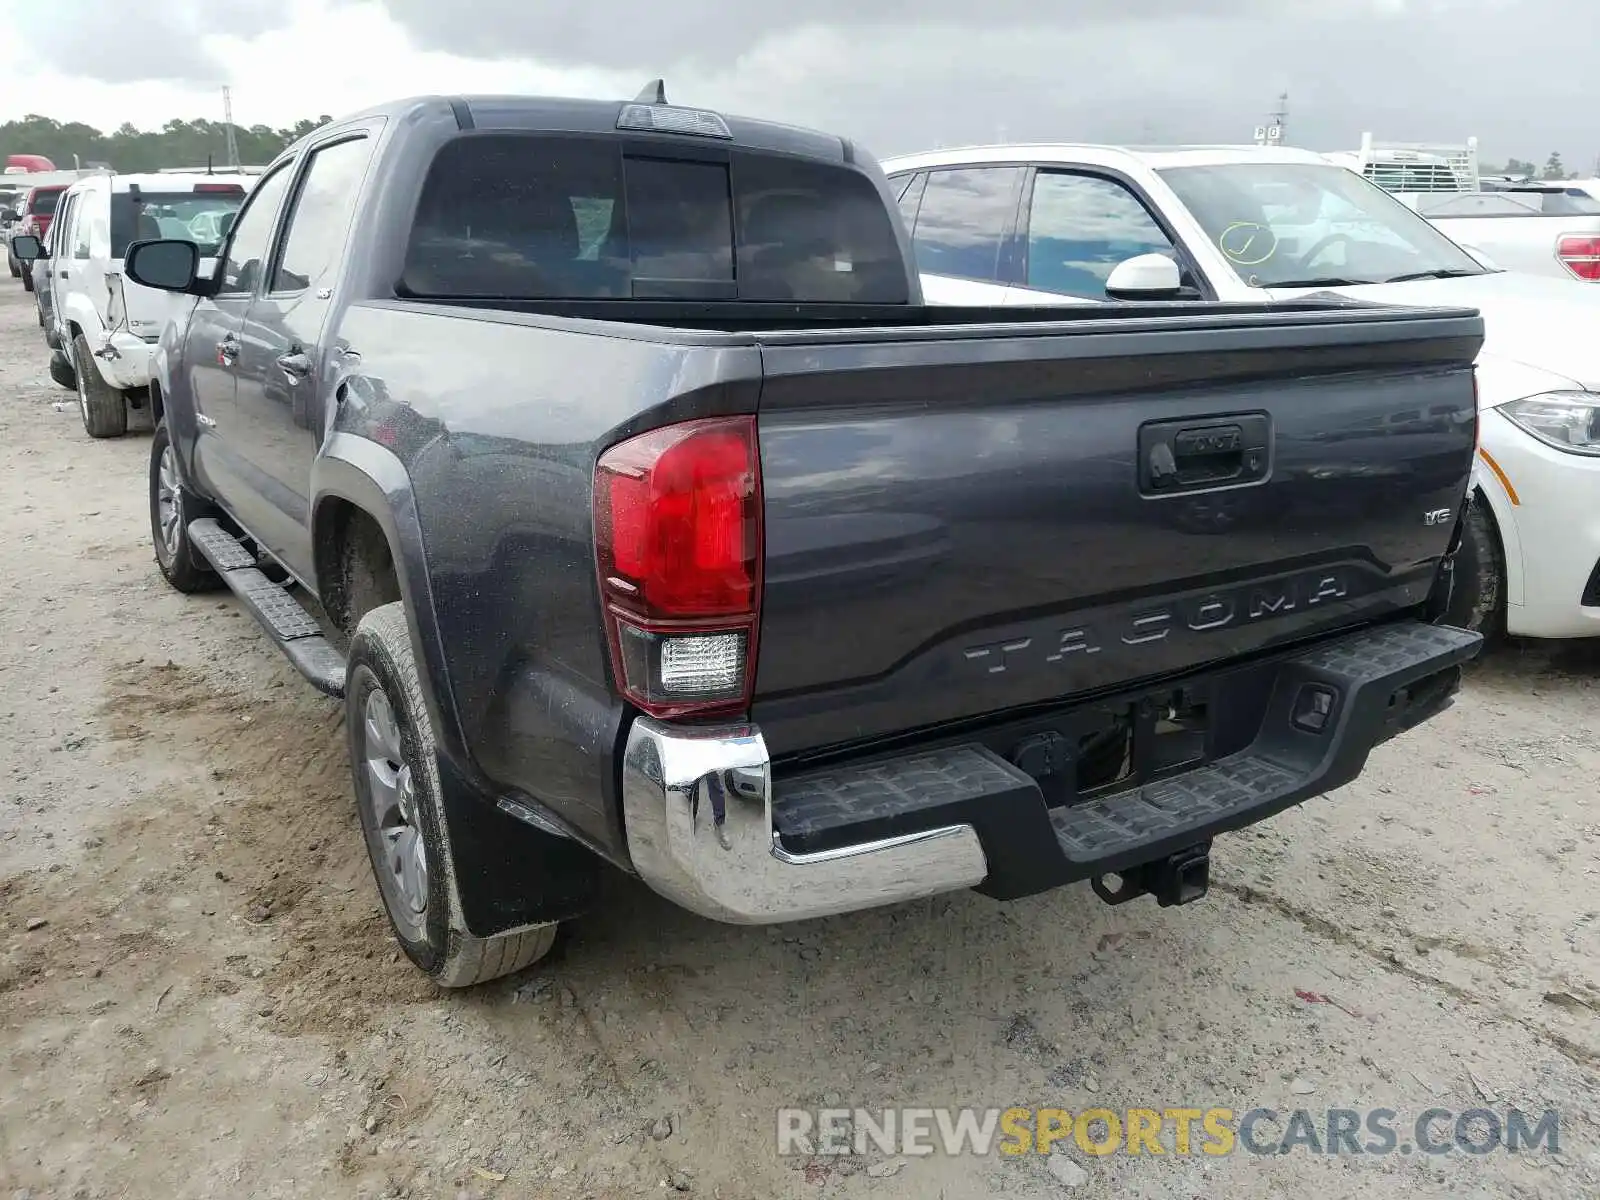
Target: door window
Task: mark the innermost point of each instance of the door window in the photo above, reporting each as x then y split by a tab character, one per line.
1080	227
252	233
963	220
321	217
78	215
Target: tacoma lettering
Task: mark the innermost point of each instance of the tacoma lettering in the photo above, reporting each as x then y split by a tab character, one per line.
1145	626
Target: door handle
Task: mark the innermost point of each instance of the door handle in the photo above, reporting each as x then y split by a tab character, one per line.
296	365
228	351
63	275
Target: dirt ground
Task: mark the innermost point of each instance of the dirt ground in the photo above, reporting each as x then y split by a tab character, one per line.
213	1005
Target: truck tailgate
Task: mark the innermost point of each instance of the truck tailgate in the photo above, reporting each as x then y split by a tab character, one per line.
964	523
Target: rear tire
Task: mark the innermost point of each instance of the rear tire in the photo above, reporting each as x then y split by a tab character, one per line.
1477	584
104	408
171	510
16	271
395	766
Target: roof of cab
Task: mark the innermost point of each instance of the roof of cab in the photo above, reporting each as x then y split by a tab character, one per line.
1068	153
513	113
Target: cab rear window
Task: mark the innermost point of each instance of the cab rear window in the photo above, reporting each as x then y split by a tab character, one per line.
199	216
44	201
536	217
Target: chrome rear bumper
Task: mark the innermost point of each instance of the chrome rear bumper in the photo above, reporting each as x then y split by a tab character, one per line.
697	805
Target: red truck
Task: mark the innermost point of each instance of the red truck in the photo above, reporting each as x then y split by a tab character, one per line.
23	163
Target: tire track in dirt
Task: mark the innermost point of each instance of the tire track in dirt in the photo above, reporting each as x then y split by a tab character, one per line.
1578	1053
282	832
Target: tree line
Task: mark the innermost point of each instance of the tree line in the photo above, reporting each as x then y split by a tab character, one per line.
128	149
1553	168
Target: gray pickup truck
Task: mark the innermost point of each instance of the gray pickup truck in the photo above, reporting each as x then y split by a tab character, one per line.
604	459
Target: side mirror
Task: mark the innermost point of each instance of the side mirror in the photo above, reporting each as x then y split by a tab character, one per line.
27	248
169	265
1145	277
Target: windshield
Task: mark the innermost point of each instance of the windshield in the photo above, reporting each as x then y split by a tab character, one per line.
198	217
1309	225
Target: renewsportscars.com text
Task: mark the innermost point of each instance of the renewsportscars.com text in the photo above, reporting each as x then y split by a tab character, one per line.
1169	1130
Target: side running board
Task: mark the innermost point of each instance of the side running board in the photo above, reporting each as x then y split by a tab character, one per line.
298	635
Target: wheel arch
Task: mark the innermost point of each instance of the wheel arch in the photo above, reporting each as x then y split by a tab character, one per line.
355	479
1491	497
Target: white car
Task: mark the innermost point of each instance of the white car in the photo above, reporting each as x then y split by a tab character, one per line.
1064	224
103	328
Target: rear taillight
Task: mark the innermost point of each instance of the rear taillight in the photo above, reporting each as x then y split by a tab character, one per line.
1580	254
225	189
677	515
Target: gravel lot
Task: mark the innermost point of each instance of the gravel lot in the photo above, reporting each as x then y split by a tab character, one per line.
212	1005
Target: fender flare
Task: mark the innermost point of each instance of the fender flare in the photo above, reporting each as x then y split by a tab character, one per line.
372	478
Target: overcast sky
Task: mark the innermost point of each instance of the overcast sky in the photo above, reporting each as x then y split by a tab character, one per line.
898	75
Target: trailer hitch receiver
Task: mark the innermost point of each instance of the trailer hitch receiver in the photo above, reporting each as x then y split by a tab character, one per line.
1180	878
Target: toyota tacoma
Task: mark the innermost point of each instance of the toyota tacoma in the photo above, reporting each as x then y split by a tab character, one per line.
604	458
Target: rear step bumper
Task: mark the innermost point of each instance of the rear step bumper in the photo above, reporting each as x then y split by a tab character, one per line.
710	828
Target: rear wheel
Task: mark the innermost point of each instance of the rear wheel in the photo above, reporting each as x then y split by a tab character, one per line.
1477	582
105	410
171	510
395	765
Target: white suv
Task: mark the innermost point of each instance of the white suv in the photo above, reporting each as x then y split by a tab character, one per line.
105	328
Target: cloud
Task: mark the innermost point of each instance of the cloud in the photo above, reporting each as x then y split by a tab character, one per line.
897	75
646	34
908	74
116	42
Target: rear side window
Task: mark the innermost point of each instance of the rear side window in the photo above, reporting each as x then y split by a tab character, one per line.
963	220
197	216
322	211
74	215
910	196
530	217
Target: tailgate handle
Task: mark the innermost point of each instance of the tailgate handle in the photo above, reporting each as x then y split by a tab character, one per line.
1189	455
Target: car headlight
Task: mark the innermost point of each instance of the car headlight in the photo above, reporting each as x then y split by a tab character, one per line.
1568	421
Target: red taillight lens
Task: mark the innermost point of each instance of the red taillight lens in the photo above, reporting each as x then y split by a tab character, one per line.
226	189
1581	256
678	532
